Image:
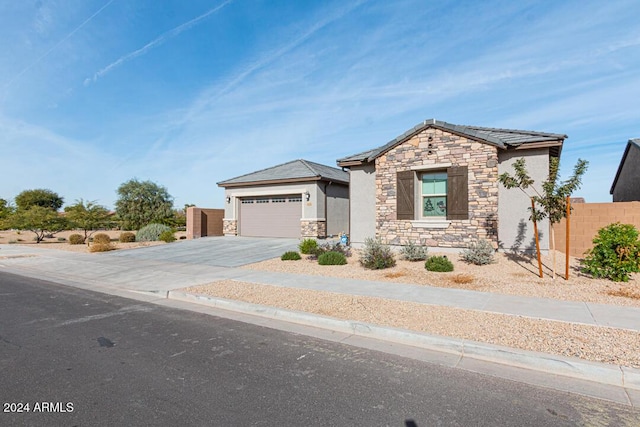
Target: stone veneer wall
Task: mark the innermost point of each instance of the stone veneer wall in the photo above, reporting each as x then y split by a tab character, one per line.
482	162
230	227
313	228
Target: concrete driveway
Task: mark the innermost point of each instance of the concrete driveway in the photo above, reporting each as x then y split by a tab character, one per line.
214	251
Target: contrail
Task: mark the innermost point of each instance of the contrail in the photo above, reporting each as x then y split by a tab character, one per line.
56	45
166	36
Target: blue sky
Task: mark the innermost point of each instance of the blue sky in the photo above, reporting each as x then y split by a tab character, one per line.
189	93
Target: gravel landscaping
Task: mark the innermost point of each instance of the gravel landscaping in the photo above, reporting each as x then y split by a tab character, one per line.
509	275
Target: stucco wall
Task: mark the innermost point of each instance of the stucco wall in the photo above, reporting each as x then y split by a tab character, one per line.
627	187
436	148
362	201
337	209
515	230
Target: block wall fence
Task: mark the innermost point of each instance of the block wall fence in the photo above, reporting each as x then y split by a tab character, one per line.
204	222
588	218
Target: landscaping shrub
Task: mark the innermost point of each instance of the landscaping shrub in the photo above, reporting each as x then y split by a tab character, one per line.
376	255
76	239
438	264
151	232
101	238
332	258
290	256
127	237
480	252
308	246
332	247
101	247
167	236
413	252
615	253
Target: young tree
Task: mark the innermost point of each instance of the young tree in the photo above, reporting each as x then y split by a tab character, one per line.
87	216
141	203
39	197
40	220
552	202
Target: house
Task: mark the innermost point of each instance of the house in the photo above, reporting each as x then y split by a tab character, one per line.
625	186
294	199
437	185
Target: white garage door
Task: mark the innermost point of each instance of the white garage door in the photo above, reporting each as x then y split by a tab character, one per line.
270	216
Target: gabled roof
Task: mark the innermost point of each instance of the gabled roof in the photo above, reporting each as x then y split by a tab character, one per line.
293	171
501	138
635	143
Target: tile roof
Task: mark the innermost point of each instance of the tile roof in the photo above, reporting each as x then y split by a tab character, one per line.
502	138
295	170
635	142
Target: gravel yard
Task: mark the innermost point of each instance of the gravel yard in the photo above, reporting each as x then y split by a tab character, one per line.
509	275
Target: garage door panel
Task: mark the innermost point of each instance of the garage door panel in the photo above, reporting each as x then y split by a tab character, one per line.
275	216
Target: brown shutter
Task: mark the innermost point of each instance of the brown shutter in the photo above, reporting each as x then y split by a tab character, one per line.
457	193
405	195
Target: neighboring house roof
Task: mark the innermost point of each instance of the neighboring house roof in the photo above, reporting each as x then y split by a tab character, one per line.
293	171
632	143
501	138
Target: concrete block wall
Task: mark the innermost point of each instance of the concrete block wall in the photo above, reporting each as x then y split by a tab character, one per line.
588	218
203	222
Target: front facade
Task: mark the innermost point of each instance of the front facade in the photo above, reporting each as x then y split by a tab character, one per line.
297	199
437	185
625	186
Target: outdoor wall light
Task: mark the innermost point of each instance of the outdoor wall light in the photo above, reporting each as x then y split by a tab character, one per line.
307	196
228	199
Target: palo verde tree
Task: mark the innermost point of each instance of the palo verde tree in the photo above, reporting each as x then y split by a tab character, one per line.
552	202
87	216
38	219
39	197
143	202
5	212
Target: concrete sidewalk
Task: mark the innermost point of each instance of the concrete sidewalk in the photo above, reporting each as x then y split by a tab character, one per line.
150	274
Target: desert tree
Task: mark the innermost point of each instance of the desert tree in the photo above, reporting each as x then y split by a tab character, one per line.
39	197
143	202
551	202
87	216
5	212
38	219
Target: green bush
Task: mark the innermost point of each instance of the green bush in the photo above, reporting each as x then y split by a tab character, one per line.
615	253
413	252
101	238
376	255
308	246
290	256
167	236
332	258
480	252
151	232
127	237
76	239
439	264
332	247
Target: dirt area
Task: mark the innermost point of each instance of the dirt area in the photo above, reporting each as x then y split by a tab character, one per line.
511	275
56	242
508	275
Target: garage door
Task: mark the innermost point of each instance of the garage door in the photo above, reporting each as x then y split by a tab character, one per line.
270	216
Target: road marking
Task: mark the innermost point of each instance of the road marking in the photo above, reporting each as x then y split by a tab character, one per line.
122	311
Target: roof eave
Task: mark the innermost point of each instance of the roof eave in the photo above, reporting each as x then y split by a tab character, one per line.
279	181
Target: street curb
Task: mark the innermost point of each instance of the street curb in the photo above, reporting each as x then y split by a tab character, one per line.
613	375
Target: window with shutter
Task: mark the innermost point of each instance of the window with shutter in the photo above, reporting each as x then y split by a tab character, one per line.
457	193
405	195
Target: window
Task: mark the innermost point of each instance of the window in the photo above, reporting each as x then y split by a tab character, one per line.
434	194
247	201
278	200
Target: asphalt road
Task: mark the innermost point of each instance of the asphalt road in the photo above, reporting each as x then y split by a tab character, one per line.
80	358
